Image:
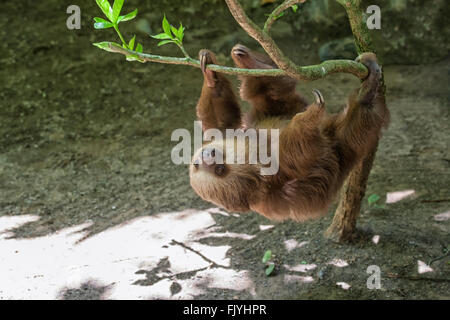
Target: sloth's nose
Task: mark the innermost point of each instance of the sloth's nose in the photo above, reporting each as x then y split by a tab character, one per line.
208	156
196	163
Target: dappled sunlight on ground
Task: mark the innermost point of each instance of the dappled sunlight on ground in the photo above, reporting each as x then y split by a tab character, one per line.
291	244
266	227
422	267
293	279
8	223
338	263
343	285
393	197
442	216
301	267
140	259
376	239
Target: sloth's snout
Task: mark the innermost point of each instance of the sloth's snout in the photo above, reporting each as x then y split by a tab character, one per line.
209	156
208	159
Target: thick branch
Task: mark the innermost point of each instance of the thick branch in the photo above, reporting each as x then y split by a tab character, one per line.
278	10
359	29
305	73
343	226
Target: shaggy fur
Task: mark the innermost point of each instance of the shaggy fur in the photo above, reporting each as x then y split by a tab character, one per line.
317	150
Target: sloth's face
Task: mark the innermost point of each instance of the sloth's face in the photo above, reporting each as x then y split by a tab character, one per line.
217	178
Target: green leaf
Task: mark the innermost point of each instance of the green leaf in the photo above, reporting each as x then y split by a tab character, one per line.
174	31
161	36
106	45
267	256
373	198
127	17
166	26
165	42
131	43
103	25
270	269
180	33
139	48
97	19
117	7
106	8
295	7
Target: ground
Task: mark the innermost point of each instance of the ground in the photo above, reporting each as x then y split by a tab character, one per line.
92	207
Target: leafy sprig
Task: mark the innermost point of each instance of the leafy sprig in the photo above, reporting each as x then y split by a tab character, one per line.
171	35
114	17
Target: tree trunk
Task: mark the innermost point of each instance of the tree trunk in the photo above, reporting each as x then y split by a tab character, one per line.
343	227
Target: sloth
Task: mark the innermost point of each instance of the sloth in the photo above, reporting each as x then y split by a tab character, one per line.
317	150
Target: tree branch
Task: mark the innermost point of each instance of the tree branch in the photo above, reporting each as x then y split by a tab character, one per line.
343	227
309	73
282	61
263	38
278	10
287	67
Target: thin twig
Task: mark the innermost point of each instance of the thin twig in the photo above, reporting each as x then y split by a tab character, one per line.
212	263
438	258
305	73
278	10
437	200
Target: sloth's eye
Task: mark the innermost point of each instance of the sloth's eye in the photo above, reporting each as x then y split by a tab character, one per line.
220	169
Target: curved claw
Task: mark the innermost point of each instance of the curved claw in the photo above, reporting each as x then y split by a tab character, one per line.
319	100
239	50
203	62
243	57
206	57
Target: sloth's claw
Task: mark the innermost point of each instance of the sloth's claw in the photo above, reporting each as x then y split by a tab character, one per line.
318	98
239	50
203	62
207	57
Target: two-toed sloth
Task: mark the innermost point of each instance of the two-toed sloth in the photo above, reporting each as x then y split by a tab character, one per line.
317	150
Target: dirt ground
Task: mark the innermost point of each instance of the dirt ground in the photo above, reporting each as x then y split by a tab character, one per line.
92	207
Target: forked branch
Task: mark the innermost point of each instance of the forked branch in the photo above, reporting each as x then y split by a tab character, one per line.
174	35
263	38
279	10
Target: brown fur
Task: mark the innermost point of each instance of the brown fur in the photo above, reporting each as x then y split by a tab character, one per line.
218	106
268	96
317	150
